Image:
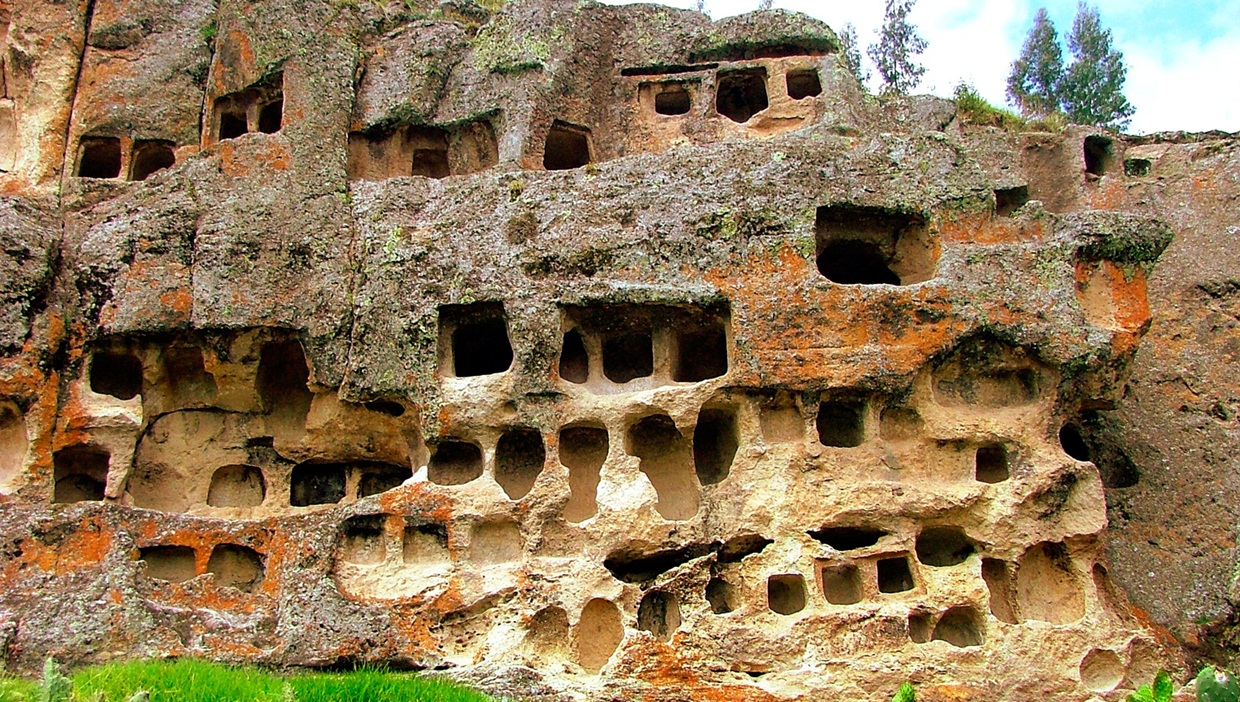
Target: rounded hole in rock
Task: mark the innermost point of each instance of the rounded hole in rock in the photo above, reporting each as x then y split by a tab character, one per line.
599	633
1102	670
943	546
519	458
1098	154
1073	442
174	564
583	450
237	486
236	566
841	584
841	424
283	384
628	357
961	627
14	441
785	594
115	374
659	613
1048	587
150	157
455	463
855	262
548	632
894	575
80	474
715	443
803	83
1008	200
317	484
991	464
574	361
271	117
741	94
722	596
673	100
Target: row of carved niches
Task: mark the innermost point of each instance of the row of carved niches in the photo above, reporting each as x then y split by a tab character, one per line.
257	108
228	565
610	349
418	150
943	583
226	425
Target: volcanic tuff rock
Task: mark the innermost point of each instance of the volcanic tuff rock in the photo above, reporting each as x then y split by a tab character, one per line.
593	353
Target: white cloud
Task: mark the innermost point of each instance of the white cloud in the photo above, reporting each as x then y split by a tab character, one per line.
1174	82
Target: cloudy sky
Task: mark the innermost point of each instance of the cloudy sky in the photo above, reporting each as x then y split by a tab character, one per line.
1183	56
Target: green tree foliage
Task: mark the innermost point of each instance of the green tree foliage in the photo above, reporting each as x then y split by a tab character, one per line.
1089	91
1092	90
898	46
850	51
1033	84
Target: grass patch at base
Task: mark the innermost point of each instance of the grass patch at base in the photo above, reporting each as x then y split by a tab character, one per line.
201	681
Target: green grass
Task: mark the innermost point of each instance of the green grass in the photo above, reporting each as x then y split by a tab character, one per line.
199	681
973	109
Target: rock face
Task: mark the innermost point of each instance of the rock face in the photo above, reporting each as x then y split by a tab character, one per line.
593	352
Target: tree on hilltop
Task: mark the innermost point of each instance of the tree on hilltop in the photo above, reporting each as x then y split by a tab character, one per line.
898	46
1093	87
1089	91
1033	85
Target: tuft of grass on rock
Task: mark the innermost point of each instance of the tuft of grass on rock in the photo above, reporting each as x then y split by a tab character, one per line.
972	108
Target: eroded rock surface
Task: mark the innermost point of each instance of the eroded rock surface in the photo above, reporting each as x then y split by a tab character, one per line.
593	352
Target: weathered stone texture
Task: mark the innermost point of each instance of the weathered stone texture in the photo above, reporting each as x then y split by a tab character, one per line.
599	353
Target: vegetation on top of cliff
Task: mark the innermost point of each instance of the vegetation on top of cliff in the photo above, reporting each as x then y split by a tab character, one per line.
1089	90
199	681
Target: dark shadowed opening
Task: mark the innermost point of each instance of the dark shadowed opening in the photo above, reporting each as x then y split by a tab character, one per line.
803	83
100	158
480	344
271	117
991	464
700	355
150	157
377	477
1137	167
785	594
116	374
855	262
1008	200
317	484
674	100
722	596
741	94
574	361
628	356
567	147
714	444
847	538
1098	155
942	546
232	125
1073	442
894	575
80	474
841	424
